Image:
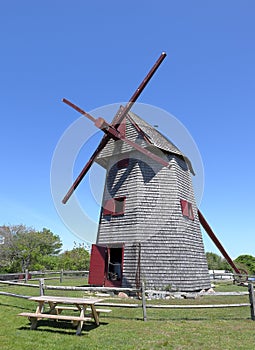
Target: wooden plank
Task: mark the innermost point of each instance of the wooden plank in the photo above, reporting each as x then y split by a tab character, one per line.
103	310
66	300
60	307
92	289
20	284
74	308
55	317
118	305
15	295
252	300
195	306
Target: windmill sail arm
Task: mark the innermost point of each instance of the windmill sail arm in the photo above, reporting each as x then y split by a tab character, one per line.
141	87
144	151
85	169
111	131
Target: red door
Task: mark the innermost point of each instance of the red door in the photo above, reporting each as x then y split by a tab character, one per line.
97	265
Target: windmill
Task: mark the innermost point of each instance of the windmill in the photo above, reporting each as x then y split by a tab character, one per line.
149	225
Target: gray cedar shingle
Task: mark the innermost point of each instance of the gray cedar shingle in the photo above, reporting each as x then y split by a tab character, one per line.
172	251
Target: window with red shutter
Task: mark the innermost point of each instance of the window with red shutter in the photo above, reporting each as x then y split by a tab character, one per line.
187	210
123	163
119	206
109	207
114	206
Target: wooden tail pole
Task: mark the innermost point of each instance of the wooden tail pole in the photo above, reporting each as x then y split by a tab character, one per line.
211	234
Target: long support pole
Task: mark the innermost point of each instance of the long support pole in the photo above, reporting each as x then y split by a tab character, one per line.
211	234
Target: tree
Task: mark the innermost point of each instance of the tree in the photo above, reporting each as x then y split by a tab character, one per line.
246	262
216	262
25	247
75	259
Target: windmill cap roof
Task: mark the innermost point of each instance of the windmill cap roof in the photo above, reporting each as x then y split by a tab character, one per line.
158	139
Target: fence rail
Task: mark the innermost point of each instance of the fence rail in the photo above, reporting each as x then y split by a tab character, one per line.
142	292
28	275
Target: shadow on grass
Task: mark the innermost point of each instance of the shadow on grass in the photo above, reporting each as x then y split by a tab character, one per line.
180	319
14	306
61	327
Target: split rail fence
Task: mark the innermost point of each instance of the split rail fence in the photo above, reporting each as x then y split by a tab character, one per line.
37	275
141	292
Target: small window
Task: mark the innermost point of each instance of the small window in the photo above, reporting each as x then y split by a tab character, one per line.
114	206
123	163
187	210
119	206
109	207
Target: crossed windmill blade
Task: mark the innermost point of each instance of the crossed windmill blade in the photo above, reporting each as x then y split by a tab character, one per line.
113	130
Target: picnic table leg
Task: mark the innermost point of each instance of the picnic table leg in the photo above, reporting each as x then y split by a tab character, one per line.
39	308
53	310
80	324
95	314
33	321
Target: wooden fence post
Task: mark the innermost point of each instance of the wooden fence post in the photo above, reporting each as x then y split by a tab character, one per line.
61	275
41	286
144	303
252	300
26	275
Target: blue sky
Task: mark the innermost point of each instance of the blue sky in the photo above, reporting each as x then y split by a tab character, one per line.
96	53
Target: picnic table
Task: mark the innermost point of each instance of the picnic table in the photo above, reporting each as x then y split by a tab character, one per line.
57	305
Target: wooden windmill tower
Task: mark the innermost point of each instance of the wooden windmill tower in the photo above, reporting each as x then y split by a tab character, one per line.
149	225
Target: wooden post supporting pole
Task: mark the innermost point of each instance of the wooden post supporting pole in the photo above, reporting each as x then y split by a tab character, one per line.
252	300
144	303
26	275
41	286
61	275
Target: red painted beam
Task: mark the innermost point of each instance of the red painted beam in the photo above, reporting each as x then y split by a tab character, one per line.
102	125
141	87
211	234
110	132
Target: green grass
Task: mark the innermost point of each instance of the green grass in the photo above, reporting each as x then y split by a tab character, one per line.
125	329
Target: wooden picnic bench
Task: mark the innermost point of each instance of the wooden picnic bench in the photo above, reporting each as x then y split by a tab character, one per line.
56	305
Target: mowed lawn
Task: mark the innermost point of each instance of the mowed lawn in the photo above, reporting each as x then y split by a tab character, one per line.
124	328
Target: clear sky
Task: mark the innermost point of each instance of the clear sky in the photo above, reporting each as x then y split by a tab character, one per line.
96	53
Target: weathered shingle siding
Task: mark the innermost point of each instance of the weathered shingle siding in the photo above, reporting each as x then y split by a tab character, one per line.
172	251
171	246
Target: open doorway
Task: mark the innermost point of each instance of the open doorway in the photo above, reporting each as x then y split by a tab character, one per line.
106	265
115	258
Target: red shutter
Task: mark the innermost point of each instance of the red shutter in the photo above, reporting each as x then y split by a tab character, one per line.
185	208
123	163
109	207
97	265
191	214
